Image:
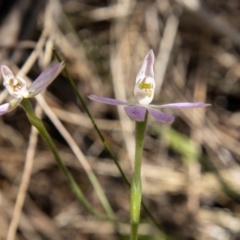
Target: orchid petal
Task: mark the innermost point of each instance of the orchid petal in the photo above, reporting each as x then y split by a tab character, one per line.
6	73
182	105
147	67
137	113
44	79
145	83
111	101
160	116
4	108
8	107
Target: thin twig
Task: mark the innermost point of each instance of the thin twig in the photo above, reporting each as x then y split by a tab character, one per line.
119	83
165	49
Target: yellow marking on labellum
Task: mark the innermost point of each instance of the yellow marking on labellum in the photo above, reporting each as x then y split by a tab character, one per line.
149	93
145	86
15	84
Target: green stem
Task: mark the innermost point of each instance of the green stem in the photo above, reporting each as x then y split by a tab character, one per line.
136	186
37	123
106	146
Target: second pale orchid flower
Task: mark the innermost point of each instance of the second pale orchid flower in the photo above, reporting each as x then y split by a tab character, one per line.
17	86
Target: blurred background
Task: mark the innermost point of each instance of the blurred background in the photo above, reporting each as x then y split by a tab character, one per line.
191	168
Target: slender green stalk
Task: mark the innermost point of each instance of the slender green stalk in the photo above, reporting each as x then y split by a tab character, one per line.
108	149
136	186
37	123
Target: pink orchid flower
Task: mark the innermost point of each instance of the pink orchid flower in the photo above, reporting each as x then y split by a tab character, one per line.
17	86
144	93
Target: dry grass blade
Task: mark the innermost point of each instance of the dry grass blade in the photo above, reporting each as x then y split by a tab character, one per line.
24	181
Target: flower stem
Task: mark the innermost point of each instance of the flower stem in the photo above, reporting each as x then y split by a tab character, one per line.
136	186
37	123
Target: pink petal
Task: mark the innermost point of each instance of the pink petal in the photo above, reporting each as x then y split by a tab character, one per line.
7	73
182	105
8	107
160	116
147	67
137	113
4	108
111	101
45	78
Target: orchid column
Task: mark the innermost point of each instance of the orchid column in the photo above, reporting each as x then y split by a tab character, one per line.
144	93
